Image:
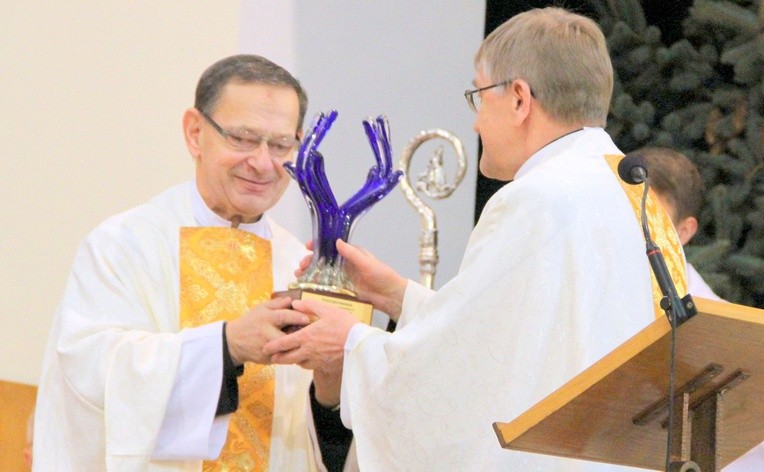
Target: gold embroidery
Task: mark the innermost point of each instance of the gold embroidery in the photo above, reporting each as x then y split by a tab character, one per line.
661	230
224	272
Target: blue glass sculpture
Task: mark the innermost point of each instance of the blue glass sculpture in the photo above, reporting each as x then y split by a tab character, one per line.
332	221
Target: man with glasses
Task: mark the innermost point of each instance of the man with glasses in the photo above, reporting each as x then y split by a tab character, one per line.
554	276
145	365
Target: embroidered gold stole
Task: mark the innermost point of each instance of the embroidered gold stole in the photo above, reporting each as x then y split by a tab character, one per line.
223	273
662	231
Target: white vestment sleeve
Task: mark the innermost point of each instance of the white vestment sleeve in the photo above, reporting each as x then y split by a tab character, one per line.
357	333
117	347
190	429
415	294
413	297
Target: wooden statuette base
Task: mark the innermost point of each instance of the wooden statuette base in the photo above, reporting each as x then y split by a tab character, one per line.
353	305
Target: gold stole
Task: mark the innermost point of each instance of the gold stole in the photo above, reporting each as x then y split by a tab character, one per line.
662	231
223	273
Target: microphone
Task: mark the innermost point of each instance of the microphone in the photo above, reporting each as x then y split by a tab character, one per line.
633	169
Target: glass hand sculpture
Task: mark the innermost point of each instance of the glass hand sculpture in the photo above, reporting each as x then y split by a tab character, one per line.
330	220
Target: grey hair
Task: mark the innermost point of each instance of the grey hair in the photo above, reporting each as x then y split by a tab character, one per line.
562	56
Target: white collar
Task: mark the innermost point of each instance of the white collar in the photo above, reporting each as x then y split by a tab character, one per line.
204	216
552	149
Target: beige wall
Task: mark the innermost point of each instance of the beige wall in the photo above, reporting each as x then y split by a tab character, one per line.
92	97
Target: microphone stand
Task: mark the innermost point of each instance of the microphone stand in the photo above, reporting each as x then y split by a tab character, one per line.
678	310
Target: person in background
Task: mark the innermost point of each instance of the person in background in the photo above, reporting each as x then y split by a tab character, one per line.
154	360
554	276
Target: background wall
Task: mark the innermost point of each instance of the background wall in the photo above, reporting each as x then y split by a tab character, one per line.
93	94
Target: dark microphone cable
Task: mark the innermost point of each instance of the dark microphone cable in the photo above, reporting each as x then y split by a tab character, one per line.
633	170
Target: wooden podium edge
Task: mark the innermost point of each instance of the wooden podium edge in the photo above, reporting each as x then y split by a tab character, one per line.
508	432
729	310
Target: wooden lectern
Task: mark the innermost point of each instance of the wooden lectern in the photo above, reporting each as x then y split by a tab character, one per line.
616	411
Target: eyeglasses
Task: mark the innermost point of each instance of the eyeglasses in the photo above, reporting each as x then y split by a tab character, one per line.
473	96
246	141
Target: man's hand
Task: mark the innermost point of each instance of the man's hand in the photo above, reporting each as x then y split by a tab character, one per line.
248	334
328	380
321	344
375	282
